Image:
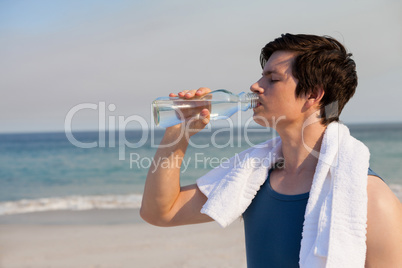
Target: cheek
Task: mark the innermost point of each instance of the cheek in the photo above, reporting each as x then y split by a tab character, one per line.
288	95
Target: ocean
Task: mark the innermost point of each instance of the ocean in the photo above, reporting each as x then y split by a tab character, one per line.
47	171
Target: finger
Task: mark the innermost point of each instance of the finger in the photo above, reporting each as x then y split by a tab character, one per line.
190	94
172	95
182	93
205	116
202	91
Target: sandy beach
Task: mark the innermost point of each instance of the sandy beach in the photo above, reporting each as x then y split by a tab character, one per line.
109	238
114	238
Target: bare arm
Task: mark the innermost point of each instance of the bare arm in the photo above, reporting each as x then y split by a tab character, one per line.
164	202
384	226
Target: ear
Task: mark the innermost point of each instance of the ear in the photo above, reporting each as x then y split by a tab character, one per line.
314	98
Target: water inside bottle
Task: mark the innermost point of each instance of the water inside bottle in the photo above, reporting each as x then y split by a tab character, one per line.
169	113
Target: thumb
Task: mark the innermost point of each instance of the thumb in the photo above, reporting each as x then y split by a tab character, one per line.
205	116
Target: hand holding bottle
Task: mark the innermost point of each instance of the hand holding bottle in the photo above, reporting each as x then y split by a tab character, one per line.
195	117
189	105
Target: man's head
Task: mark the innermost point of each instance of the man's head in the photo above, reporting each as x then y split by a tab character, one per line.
320	62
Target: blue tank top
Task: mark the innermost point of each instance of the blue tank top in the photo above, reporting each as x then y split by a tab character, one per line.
273	225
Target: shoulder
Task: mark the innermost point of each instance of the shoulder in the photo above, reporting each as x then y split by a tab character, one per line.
380	195
384	228
382	201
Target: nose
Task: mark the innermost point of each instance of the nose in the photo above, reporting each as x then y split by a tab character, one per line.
255	88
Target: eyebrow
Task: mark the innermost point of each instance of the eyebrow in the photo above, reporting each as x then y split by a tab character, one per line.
271	72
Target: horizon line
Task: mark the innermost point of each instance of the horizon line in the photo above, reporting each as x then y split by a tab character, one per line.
162	129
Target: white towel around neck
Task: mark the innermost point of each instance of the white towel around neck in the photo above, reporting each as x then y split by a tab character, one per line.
334	229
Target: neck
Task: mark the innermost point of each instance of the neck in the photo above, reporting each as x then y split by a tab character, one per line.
297	145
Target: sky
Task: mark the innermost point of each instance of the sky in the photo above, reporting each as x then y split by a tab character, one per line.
99	64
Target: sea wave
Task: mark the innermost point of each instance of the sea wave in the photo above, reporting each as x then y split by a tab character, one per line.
92	202
70	203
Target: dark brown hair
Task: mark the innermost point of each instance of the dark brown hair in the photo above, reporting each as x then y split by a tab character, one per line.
319	62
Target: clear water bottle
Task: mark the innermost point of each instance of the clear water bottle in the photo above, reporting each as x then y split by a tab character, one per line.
222	104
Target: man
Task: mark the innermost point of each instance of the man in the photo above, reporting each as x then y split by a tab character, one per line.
304	77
